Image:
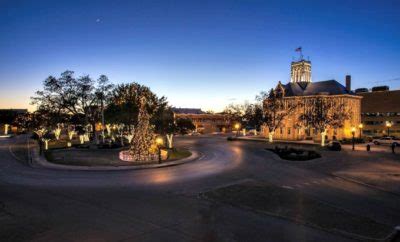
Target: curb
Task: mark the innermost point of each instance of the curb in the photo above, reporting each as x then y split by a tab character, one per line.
277	141
42	162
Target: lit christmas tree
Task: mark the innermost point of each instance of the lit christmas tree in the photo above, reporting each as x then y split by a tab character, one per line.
142	144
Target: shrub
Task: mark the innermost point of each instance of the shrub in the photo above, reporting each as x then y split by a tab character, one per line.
295	154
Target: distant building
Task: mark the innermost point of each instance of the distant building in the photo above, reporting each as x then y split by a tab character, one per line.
380	108
302	90
7	117
187	110
205	123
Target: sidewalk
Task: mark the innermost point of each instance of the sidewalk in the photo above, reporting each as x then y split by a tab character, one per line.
357	147
373	148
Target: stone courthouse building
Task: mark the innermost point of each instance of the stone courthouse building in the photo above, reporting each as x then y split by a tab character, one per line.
301	89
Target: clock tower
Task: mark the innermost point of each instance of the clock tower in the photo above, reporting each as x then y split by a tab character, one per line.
300	71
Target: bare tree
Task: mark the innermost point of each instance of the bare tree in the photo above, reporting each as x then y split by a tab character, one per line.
323	112
103	93
234	112
276	109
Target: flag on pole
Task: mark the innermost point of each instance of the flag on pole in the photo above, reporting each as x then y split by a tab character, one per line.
298	49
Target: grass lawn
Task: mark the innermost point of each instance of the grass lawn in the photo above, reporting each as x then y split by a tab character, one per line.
100	157
177	154
294	205
60	144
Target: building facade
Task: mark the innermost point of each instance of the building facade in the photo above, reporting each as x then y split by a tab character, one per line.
205	123
380	112
301	90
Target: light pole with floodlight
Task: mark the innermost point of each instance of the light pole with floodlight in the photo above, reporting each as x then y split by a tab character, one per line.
360	126
237	127
388	126
159	142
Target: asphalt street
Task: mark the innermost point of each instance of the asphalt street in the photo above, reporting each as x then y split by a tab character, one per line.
39	204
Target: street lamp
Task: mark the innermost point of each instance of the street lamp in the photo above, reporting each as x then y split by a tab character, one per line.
353	131
388	125
360	126
159	142
237	127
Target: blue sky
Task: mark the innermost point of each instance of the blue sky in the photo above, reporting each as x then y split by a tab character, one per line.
197	53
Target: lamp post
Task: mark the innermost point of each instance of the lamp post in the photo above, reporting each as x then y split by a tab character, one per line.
388	125
6	129
237	127
360	126
159	142
353	132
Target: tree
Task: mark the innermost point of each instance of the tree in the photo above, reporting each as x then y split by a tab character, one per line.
253	116
23	121
247	114
275	110
164	122
323	112
235	112
184	125
75	97
124	104
143	136
103	93
45	118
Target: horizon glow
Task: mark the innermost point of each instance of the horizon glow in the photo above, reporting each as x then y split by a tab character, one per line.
202	54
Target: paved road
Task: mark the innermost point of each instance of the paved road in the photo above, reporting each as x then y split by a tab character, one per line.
38	204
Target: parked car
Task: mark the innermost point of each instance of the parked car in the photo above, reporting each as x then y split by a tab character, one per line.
387	141
334	145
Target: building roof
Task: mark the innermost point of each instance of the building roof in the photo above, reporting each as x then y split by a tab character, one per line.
330	87
187	110
380	102
210	116
14	110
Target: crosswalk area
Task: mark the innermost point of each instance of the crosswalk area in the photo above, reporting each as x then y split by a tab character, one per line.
332	181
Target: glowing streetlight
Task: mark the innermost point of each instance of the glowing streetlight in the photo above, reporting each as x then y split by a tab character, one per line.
237	127
353	131
388	126
159	142
360	126
6	126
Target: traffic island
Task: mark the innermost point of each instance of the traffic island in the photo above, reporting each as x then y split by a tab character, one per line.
97	159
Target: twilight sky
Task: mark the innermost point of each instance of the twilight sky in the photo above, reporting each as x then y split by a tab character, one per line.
202	54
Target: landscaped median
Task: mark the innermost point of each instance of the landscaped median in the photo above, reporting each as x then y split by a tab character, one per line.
104	159
298	207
